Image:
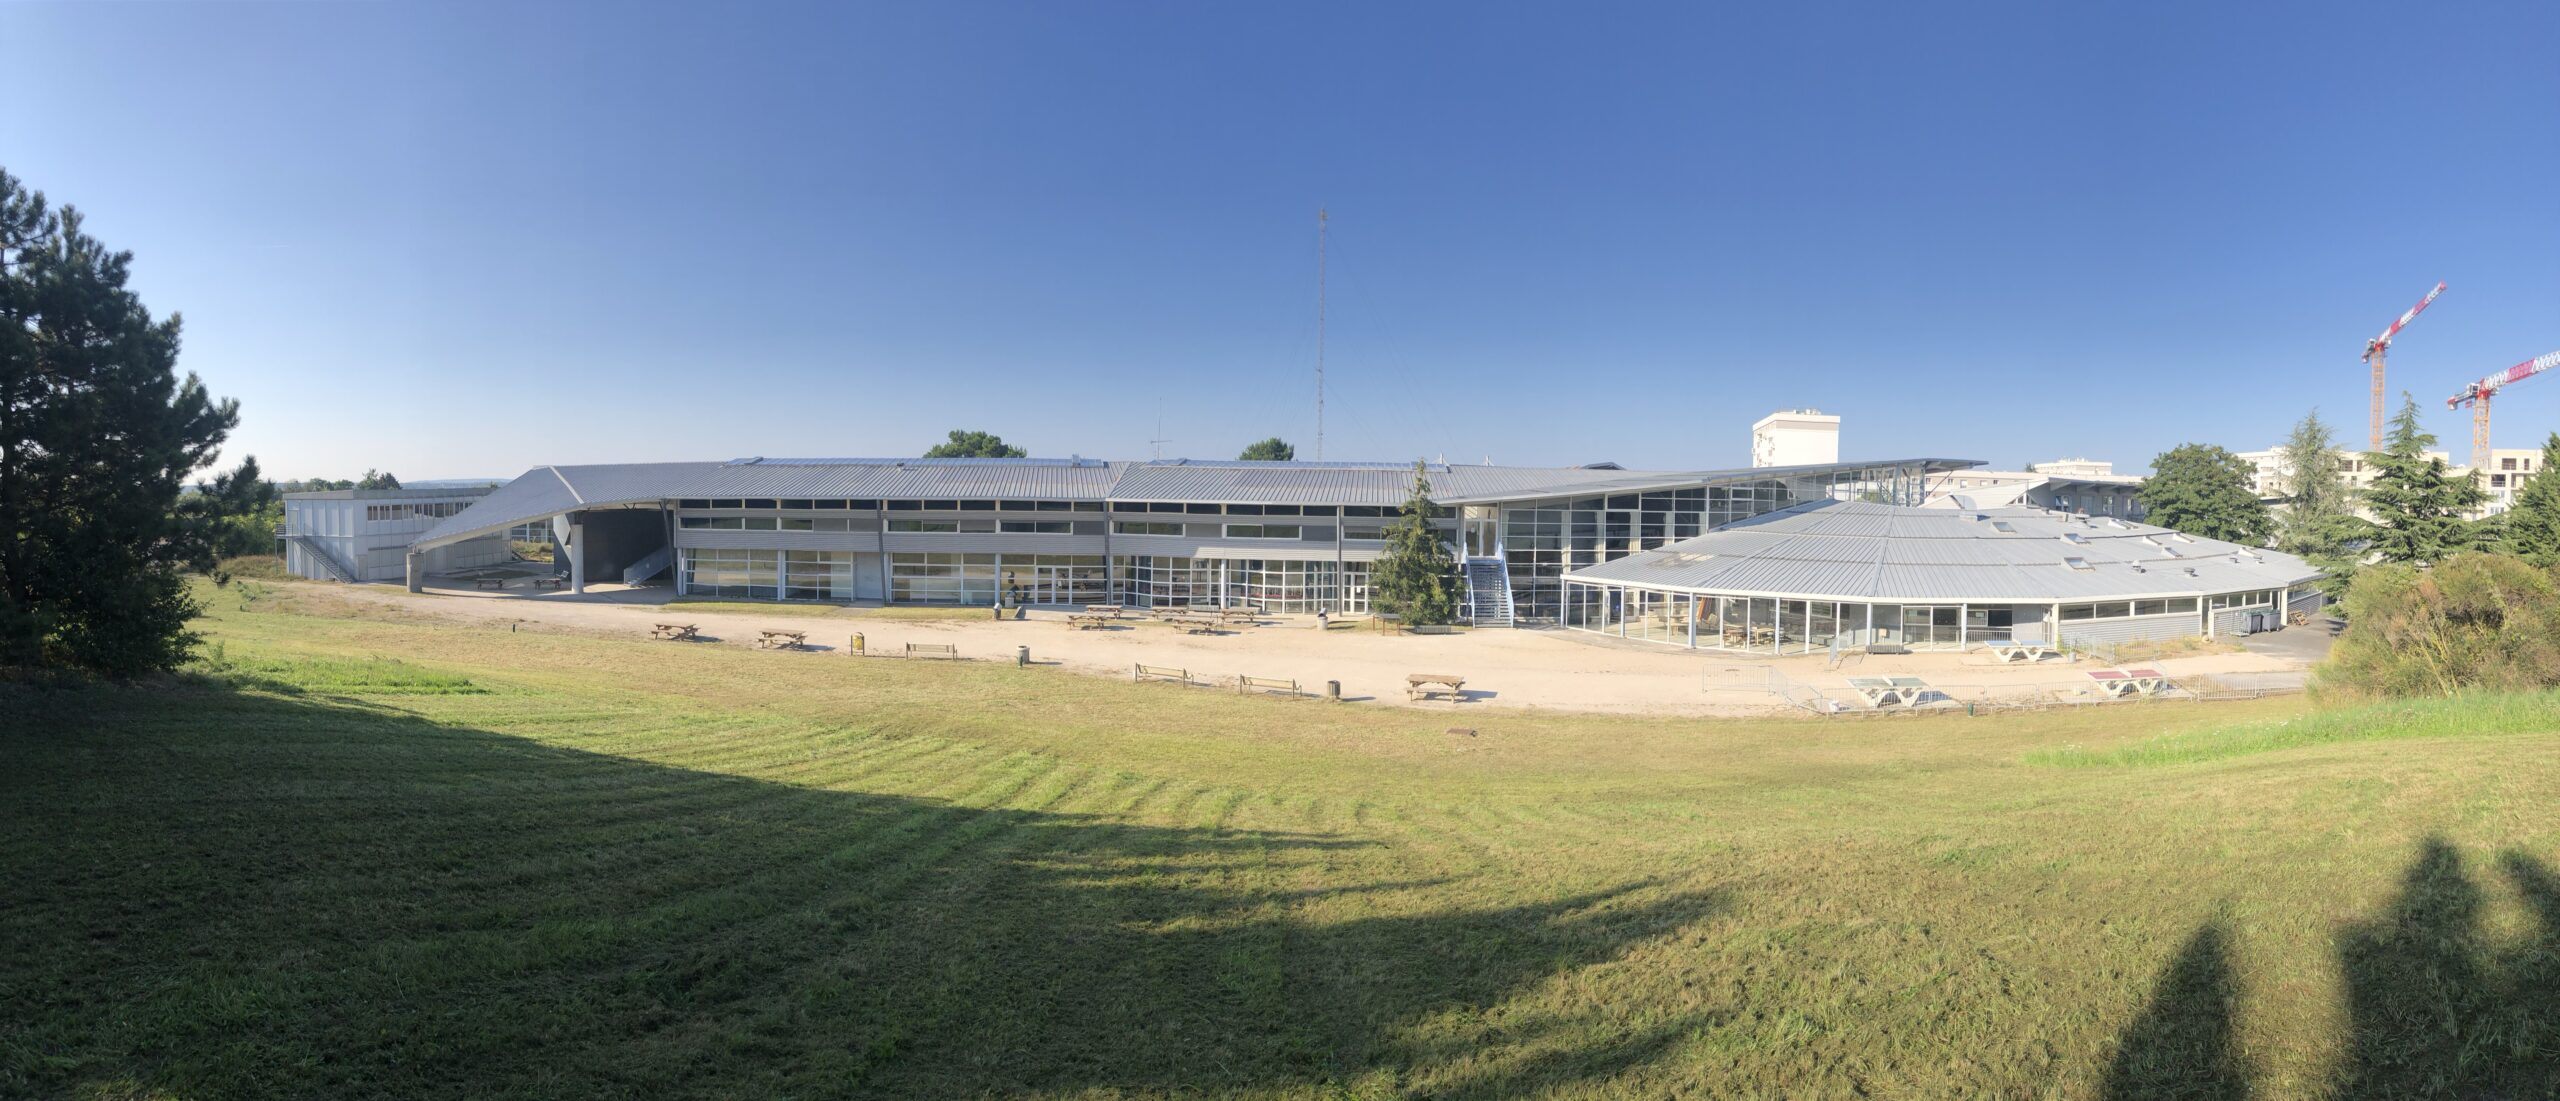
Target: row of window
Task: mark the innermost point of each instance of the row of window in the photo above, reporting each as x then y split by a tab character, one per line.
2119	609
429	510
829	504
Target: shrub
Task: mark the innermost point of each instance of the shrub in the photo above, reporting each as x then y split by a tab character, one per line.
2486	621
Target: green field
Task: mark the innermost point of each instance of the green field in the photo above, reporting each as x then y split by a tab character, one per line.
413	859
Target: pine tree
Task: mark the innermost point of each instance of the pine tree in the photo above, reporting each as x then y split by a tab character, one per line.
2319	522
1415	580
2203	490
98	436
2417	503
2532	530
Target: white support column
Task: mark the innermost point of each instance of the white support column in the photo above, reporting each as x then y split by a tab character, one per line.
577	557
416	575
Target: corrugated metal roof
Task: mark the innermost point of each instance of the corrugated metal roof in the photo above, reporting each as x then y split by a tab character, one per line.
1860	551
549	490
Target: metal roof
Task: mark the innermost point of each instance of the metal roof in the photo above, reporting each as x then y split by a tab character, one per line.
1847	550
550	490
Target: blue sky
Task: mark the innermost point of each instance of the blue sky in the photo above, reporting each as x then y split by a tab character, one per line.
460	241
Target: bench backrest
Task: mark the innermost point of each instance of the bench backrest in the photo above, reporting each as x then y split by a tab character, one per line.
1160	671
932	648
1267	682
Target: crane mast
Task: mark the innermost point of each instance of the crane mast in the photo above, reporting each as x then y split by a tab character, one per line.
2373	354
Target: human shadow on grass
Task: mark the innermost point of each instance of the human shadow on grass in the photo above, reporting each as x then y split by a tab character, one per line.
2435	1009
239	895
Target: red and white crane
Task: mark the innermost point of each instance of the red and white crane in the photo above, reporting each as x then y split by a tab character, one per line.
2477	396
2374	348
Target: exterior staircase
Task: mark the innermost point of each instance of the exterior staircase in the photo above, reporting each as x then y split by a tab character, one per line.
320	553
1488	592
649	567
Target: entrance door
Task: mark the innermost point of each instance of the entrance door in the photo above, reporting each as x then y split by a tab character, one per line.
866	578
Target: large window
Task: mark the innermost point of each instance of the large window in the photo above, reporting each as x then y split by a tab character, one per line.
1161	581
746	573
1056	579
817	575
1281	587
1145	527
1262	531
937	578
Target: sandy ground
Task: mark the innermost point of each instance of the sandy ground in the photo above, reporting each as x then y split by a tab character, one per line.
1543	669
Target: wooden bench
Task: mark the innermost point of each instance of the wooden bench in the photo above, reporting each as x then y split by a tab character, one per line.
1888	648
783	640
552	581
1142	673
677	632
1423	686
1092	622
490	582
943	650
1239	615
1193	625
1246	684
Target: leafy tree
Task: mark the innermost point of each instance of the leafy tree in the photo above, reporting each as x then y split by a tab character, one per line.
98	436
2319	522
2485	621
1274	449
377	479
2532	529
1415	580
974	445
2203	490
2417	503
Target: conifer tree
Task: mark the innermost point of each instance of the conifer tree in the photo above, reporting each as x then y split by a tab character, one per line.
2417	503
2532	529
1415	580
98	437
2319	522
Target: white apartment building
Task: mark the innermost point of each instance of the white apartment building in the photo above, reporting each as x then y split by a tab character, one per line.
1795	437
2509	469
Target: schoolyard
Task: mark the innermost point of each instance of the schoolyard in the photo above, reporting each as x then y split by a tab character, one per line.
377	848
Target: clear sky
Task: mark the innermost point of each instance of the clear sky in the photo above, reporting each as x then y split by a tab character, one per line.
458	241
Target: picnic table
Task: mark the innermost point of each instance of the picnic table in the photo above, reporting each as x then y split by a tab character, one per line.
1105	609
786	640
490	582
1885	691
680	632
552	581
1092	622
1423	686
2019	649
2128	683
1195	625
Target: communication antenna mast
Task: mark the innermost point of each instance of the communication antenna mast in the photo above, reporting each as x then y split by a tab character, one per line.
1159	441
1320	258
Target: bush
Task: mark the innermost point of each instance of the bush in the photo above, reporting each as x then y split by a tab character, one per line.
2487	621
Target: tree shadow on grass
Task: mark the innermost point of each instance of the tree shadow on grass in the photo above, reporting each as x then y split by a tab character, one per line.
237	895
2181	1045
2436	1010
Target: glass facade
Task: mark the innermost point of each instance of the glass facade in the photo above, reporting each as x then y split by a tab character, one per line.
1279	586
817	575
746	573
1056	578
936	578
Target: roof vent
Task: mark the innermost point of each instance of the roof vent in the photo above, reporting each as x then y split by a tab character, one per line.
2191	571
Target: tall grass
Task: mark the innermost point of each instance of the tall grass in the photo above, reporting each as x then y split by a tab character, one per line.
2475	713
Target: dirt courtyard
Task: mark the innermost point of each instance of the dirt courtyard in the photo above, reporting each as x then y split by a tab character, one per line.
1552	669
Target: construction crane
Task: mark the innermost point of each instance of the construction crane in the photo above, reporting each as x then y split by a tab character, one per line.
2374	348
2477	396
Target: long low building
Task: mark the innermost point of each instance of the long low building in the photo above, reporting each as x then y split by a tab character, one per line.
1822	574
1291	537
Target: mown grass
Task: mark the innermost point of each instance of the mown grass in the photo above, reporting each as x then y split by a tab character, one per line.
617	869
2473	715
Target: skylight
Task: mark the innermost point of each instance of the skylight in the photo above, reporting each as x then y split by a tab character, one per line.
2003	525
2078	563
2074	537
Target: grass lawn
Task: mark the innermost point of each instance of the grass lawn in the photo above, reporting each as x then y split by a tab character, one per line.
415	859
